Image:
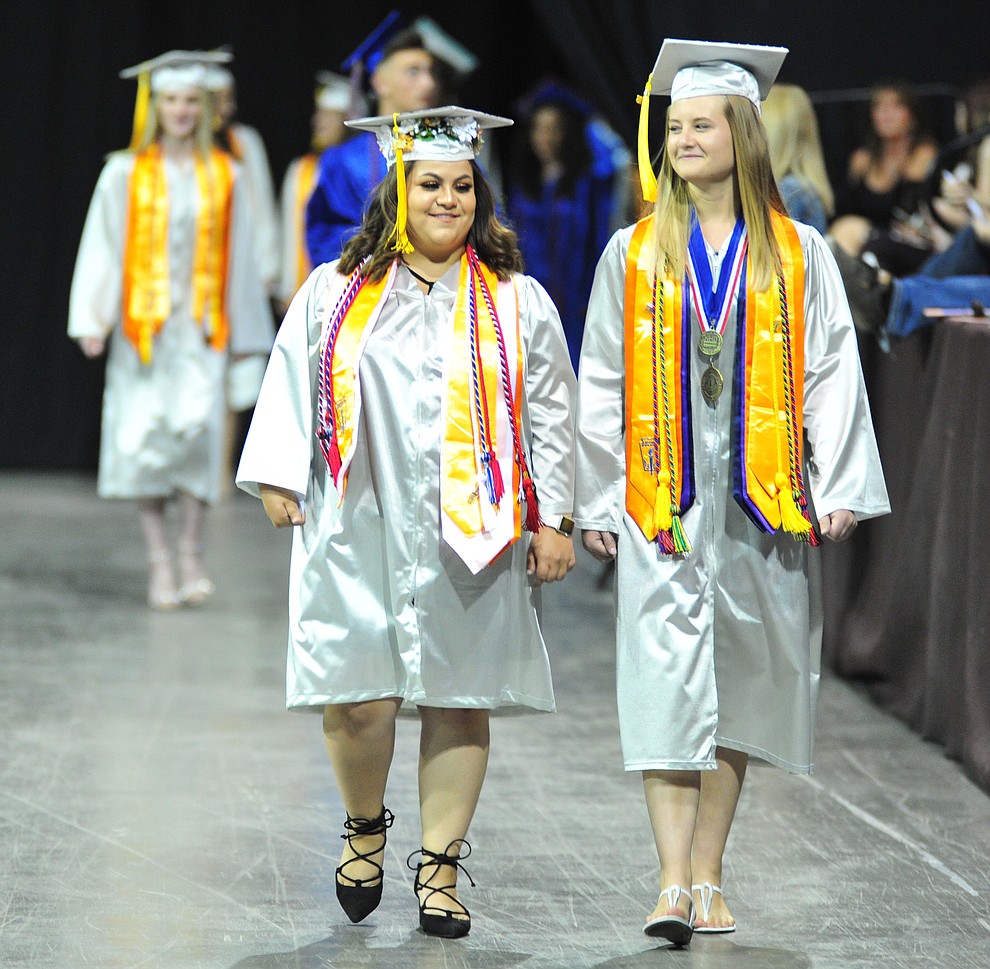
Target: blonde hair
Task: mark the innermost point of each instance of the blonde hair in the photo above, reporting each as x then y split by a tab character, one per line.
756	189
203	136
795	145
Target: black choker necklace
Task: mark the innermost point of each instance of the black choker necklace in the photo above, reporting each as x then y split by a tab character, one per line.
426	282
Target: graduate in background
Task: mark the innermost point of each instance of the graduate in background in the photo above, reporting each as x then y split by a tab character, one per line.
722	416
247	146
562	199
333	106
397	67
165	278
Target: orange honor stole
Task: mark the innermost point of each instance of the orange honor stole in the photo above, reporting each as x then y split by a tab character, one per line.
767	401
146	284
483	468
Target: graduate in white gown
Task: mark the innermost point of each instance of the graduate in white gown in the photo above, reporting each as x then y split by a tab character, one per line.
245	143
333	105
165	279
721	411
415	428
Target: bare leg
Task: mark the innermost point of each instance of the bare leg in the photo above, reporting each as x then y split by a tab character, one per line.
672	798
360	739
194	584
720	791
453	759
162	590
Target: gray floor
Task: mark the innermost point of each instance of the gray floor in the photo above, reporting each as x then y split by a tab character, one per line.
160	809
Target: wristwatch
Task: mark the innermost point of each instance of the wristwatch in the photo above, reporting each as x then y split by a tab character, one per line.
563	524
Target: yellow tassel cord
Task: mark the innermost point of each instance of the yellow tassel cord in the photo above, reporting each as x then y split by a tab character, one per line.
666	510
662	508
402	243
791	519
647	177
141	105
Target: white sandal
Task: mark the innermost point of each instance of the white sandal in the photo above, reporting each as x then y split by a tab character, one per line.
193	591
162	593
673	928
708	891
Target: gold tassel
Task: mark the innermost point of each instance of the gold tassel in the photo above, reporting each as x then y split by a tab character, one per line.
144	343
661	503
647	177
141	105
402	243
791	519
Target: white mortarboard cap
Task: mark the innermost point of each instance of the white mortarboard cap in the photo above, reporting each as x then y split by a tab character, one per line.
697	68
218	78
442	46
449	133
333	91
445	134
178	68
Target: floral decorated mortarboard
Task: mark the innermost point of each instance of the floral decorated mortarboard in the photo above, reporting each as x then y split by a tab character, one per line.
450	133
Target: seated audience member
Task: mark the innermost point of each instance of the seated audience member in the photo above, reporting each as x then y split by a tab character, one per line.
796	152
880	208
890	306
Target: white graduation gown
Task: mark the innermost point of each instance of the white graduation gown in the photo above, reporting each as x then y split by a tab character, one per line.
722	646
257	175
162	427
379	606
293	230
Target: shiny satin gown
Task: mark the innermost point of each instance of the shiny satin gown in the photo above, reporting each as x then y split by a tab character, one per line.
379	605
163	423
722	646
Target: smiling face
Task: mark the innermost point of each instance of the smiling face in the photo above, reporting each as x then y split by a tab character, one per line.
699	141
441	205
179	112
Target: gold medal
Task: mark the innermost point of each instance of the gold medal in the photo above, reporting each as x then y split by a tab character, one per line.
711	384
710	342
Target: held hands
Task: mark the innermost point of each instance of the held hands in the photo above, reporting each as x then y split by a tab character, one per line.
281	506
550	557
602	545
838	525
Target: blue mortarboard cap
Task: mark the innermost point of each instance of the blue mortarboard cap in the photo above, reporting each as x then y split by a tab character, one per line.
553	92
369	52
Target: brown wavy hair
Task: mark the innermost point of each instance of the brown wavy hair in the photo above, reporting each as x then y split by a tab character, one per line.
495	244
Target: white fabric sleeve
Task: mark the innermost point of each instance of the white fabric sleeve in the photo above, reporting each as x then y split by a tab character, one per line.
843	459
601	448
279	449
252	327
97	280
262	196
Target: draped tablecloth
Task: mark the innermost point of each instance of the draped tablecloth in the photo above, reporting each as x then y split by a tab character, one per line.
907	599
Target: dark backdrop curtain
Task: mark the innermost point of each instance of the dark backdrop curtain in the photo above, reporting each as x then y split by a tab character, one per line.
63	109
